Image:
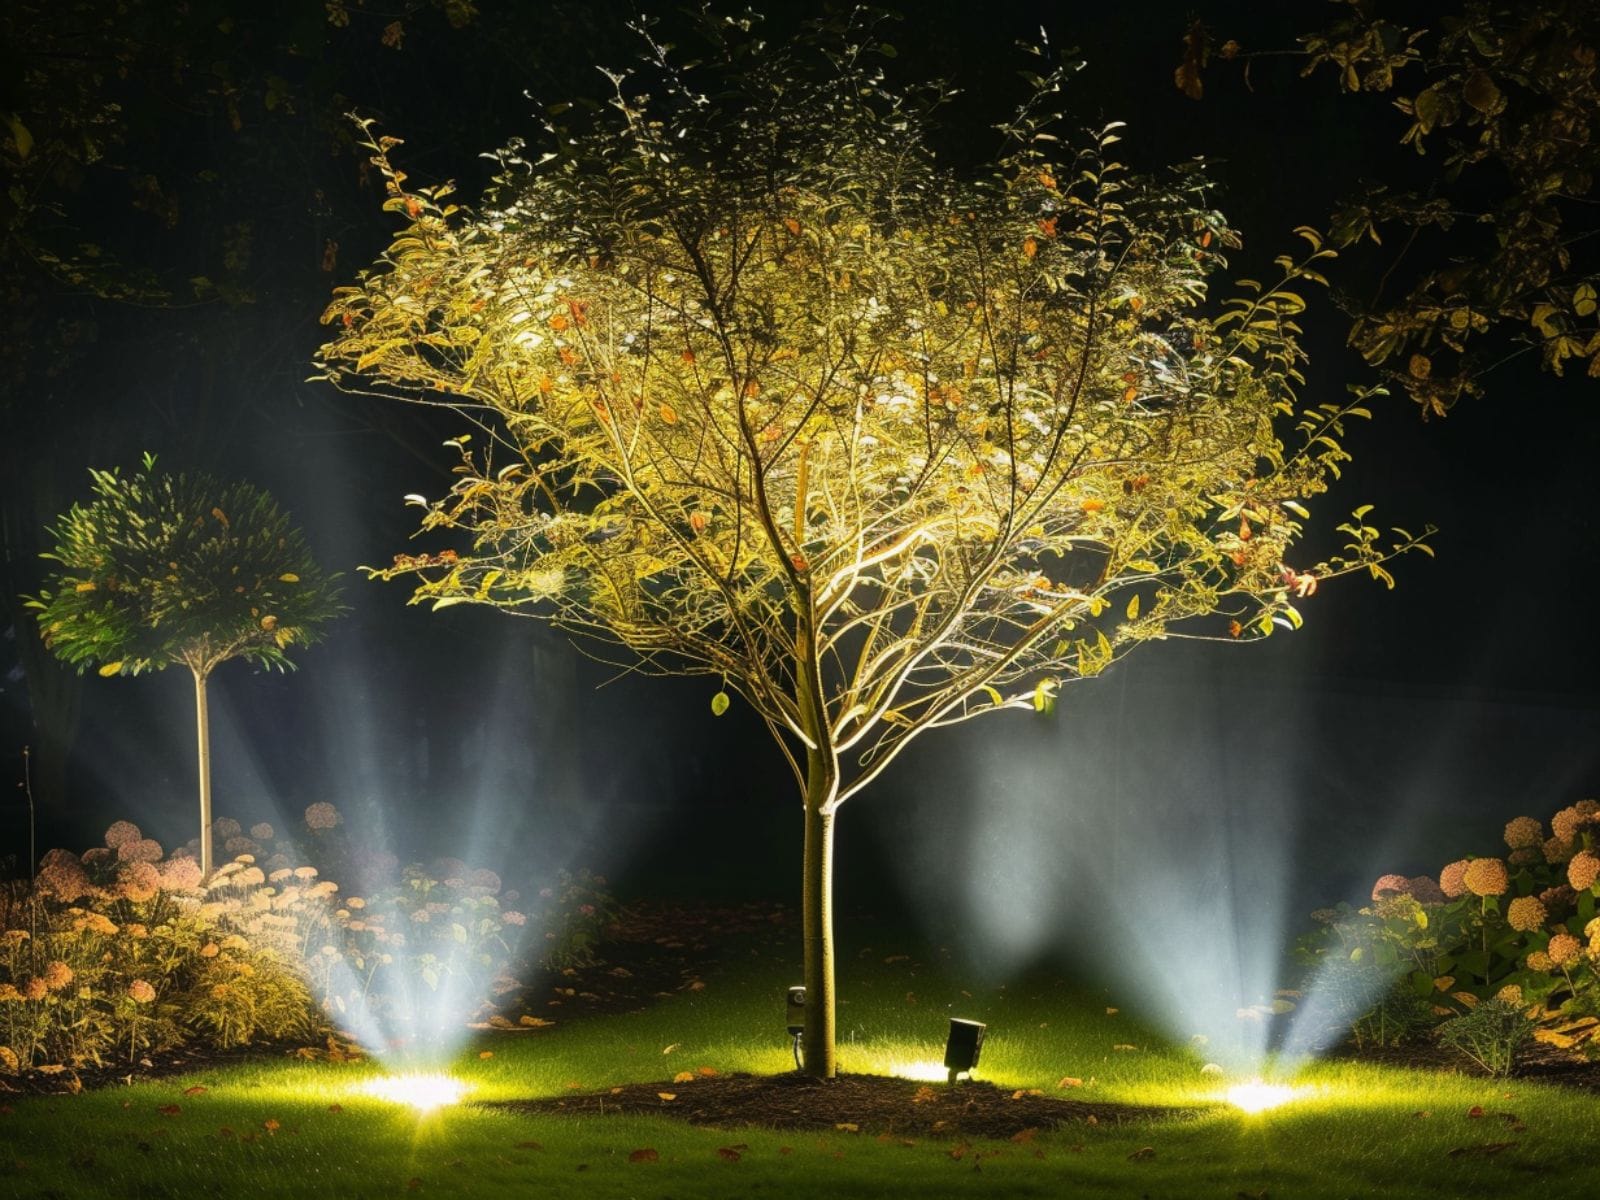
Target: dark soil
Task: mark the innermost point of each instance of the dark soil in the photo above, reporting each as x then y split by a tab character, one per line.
866	1104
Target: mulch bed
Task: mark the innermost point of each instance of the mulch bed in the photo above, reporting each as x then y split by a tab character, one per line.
866	1104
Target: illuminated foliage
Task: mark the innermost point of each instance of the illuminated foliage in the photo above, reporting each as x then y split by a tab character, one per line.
774	396
159	570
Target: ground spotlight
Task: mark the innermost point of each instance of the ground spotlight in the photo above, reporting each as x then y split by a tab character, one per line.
422	1092
797	1020
965	1044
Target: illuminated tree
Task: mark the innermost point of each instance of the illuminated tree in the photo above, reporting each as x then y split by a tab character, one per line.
776	397
164	570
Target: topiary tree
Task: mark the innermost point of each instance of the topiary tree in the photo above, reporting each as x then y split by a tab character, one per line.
162	570
880	443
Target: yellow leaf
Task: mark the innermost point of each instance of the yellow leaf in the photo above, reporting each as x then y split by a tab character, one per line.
110	669
683	1077
1133	607
668	414
87	585
288	577
668	1095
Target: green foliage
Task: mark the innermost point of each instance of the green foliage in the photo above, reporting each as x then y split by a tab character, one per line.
1492	256
1490	1034
161	569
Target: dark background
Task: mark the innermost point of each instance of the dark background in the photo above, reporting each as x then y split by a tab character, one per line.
1396	731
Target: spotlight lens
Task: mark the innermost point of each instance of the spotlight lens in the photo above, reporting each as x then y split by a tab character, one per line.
422	1092
1255	1096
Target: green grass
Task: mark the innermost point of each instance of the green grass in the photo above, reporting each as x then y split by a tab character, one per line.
1358	1132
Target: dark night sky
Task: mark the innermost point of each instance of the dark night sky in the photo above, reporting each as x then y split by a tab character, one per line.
1410	723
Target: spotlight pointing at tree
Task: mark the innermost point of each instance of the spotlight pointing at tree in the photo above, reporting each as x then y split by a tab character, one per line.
964	1046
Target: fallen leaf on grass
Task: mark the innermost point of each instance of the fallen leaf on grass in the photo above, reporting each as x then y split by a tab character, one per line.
924	1095
683	1077
1124	1046
1023	1136
485	1053
1483	1151
414	1184
785	1149
1070	1081
1021	1092
335	1108
645	1155
959	1152
1475	1111
1111	1012
671	1048
271	1125
1142	1154
668	1095
196	1090
706	1072
169	1110
529	1146
616	1091
728	1153
848	1127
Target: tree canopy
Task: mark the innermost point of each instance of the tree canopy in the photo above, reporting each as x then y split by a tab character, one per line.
160	569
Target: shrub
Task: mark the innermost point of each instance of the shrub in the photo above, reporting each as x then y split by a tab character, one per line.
1491	927
122	950
1490	1034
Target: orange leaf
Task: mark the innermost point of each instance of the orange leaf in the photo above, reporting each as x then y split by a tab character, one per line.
645	1155
668	414
707	1072
1070	1081
546	384
485	1053
728	1153
558	322
271	1125
197	1090
1048	227
169	1110
792	226
335	1108
668	1095
1030	246
1093	506
683	1077
1129	396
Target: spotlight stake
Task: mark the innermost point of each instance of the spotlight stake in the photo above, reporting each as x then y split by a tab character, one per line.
797	1021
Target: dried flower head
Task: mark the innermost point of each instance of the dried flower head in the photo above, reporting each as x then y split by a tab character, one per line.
1583	870
1391	885
305	872
322	815
512	917
239	844
35	989
1563	949
1424	890
1556	899
1525	914
57	975
1510	994
1569	822
1451	879
1486	877
1540	961
262	831
138	882
61	877
226	827
9	993
180	873
139	850
1557	851
93	922
1523	833
122	831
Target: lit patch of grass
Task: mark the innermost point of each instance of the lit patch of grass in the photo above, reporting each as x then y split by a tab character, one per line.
309	1129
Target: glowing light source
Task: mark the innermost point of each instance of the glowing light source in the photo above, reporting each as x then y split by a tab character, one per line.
1255	1096
928	1071
422	1092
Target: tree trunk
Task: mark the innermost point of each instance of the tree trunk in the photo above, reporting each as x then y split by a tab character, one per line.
816	900
203	738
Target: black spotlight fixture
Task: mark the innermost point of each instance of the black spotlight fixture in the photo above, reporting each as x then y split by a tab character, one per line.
797	1020
965	1044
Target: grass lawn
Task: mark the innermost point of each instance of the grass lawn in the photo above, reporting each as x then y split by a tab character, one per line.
289	1128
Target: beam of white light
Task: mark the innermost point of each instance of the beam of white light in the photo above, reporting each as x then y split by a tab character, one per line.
422	1092
1255	1096
928	1071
